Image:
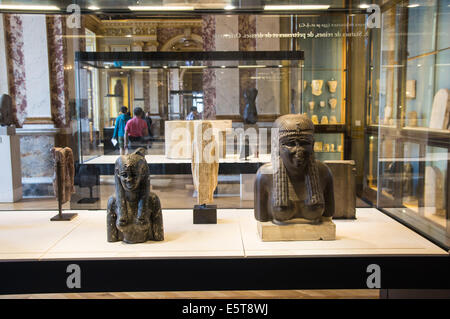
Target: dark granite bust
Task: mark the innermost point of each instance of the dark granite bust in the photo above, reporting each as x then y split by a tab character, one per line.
133	212
295	187
250	113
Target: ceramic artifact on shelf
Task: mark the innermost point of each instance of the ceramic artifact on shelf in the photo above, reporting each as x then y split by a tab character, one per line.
412	119
311	105
332	102
316	86
332	148
332	85
318	146
294	198
133	212
326	148
339	148
6	110
250	113
324	120
315	119
411	89
333	119
305	84
322	103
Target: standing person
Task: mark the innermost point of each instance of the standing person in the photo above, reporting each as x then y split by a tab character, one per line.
119	128
148	119
194	115
135	130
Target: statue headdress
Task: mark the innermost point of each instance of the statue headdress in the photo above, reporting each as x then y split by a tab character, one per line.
299	126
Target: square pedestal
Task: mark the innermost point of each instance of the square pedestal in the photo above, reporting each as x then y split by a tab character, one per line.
269	231
205	214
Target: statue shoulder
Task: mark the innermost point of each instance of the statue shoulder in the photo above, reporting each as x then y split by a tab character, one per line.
264	175
324	170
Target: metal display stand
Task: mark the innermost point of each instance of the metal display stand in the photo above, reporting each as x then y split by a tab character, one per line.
61	216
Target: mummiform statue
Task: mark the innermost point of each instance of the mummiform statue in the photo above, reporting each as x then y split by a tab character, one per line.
294	187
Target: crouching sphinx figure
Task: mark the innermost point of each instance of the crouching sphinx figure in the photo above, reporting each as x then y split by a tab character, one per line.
133	212
295	188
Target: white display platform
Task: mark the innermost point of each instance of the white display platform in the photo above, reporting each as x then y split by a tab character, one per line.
162	159
30	235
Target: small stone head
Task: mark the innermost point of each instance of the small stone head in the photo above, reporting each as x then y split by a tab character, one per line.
132	170
296	141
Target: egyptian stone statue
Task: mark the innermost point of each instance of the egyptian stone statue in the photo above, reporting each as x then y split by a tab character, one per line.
294	187
205	161
133	212
63	157
6	112
250	112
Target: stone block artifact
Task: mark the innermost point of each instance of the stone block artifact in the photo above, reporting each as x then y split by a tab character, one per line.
294	190
250	112
205	171
133	212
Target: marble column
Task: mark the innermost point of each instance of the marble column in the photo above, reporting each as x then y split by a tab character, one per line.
3	60
247	25
57	50
209	75
14	45
37	135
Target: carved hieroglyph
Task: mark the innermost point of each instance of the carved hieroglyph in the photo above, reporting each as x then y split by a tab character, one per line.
205	161
178	137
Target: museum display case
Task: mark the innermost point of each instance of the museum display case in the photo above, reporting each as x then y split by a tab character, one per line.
377	98
407	115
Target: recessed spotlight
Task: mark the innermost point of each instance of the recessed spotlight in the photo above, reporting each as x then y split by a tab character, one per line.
27	7
296	7
229	7
93	8
364	6
161	8
414	5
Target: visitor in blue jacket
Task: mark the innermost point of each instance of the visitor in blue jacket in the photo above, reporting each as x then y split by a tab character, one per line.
119	129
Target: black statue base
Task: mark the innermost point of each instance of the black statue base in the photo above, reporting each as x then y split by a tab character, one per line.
63	217
88	200
205	214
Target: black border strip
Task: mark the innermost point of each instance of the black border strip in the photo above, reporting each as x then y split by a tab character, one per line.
82	56
421	272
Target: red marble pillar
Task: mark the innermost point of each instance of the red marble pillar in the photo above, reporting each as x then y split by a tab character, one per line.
57	51
16	65
209	75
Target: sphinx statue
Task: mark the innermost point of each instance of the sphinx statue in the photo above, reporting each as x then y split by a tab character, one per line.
294	188
133	212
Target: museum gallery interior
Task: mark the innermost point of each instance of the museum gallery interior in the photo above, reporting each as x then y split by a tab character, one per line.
224	129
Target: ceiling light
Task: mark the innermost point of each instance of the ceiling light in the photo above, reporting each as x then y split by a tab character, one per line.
250	66
415	5
364	6
229	7
161	8
135	67
27	7
297	7
93	8
193	66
